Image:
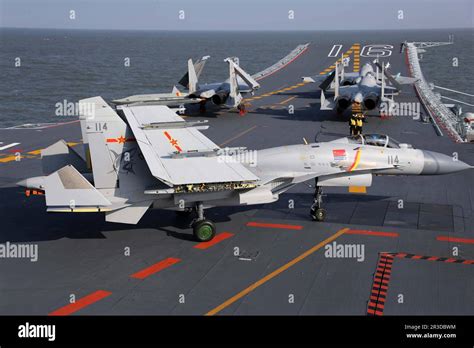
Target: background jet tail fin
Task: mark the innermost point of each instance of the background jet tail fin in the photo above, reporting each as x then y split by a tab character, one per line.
191	77
58	155
327	81
199	65
237	70
386	73
68	188
192	84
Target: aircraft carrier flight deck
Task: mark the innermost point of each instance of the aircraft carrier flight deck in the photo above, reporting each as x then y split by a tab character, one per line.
417	232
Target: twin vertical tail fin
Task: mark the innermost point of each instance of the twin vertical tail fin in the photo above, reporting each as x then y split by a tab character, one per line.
104	136
191	78
236	73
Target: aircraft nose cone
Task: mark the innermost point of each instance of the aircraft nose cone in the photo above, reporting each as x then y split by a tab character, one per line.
23	183
36	182
437	163
358	98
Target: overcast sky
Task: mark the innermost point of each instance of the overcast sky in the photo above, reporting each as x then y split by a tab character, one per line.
237	14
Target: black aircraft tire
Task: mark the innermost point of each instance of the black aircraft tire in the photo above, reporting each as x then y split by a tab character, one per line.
318	214
204	230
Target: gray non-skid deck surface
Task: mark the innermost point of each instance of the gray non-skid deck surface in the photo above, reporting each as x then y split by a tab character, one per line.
80	254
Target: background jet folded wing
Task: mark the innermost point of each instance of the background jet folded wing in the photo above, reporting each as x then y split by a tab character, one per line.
178	153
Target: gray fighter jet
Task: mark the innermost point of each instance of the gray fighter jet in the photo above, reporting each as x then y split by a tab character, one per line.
146	156
366	89
227	93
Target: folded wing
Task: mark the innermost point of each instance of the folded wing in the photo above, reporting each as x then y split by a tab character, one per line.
176	152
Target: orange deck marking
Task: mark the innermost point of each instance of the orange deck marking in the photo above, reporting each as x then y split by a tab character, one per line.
455	240
217	239
155	268
275	273
282	226
373	233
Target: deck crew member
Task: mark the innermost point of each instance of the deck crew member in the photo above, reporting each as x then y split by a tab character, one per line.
353	124
359	123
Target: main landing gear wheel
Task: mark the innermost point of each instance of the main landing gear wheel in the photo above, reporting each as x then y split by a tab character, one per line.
317	212
204	230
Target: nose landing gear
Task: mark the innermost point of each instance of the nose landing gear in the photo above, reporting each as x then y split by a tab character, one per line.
317	212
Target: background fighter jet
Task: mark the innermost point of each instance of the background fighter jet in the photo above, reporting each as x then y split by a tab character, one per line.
367	88
145	156
227	93
176	97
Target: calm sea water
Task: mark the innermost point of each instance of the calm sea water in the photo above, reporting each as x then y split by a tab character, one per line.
71	65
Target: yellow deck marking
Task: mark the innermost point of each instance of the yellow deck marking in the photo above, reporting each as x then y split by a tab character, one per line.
33	154
275	273
7	159
287	100
357	189
238	135
356	57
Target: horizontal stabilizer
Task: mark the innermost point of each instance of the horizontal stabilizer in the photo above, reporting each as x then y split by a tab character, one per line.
67	187
58	155
129	215
326	104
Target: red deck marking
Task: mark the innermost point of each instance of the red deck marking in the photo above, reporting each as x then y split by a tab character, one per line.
455	240
81	303
373	233
282	226
380	283
155	268
217	239
432	258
